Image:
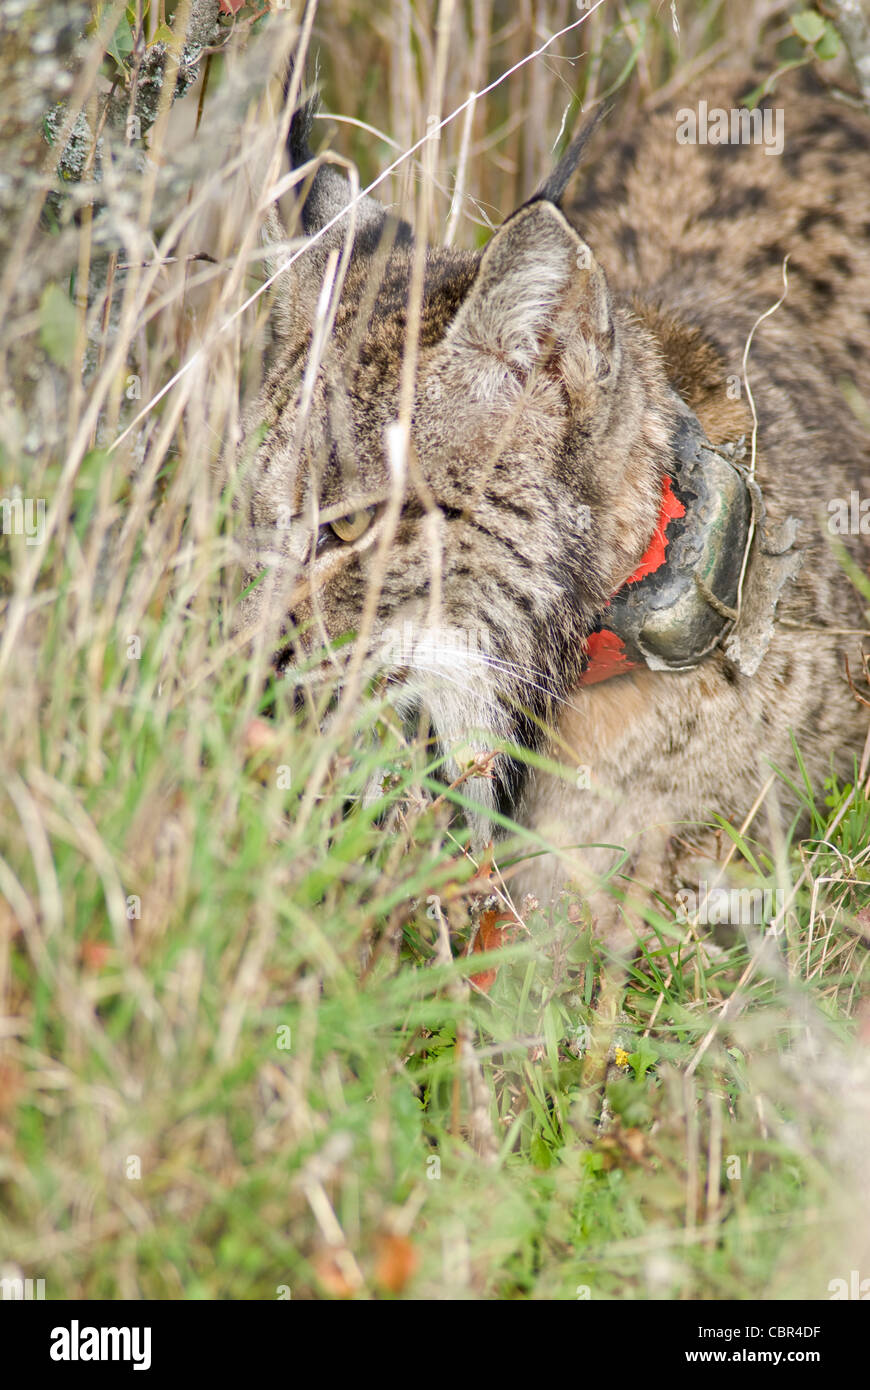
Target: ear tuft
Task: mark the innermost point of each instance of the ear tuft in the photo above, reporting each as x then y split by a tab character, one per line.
323	206
553	188
330	191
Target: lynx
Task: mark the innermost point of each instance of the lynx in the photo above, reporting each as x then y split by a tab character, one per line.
664	610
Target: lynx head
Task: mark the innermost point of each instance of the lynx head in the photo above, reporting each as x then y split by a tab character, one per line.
472	555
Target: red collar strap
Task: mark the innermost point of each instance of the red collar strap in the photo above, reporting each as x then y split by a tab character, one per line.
606	653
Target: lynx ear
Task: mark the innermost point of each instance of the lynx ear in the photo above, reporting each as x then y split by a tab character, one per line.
328	194
330	191
539	302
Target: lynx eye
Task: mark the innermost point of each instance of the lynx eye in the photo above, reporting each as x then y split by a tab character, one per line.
354	525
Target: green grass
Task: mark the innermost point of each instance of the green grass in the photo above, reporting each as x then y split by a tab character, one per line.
236	1058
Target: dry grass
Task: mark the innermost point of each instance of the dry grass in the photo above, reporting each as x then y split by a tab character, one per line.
236	1053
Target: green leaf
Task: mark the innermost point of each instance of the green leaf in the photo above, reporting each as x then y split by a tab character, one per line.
808	25
629	1100
645	1057
57	325
828	45
121	45
162	34
539	1153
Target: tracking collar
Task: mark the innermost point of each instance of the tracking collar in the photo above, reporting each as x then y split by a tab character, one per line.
711	575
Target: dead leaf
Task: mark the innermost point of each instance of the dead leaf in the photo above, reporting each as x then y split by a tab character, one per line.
95	954
396	1263
494	930
11	1085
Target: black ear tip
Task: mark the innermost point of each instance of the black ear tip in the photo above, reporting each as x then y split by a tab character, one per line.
552	190
302	121
299	134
